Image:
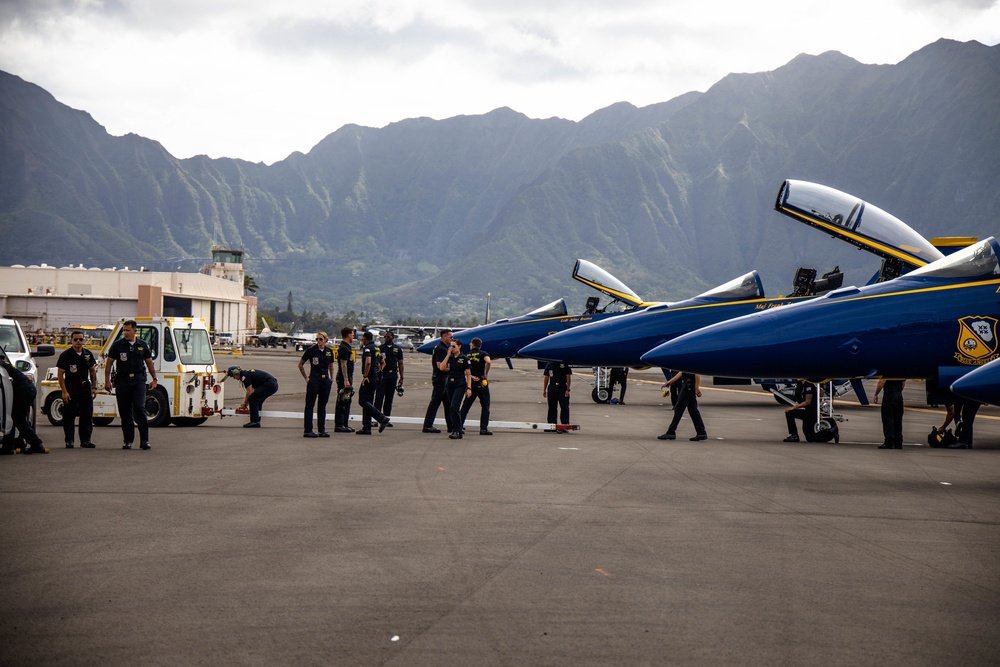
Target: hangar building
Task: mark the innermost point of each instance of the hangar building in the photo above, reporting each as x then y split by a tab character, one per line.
46	298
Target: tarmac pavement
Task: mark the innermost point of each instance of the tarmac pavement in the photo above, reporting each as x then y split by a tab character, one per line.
602	546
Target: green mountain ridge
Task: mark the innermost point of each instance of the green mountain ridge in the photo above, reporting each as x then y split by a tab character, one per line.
423	217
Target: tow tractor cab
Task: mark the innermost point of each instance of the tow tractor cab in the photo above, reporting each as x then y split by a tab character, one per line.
189	385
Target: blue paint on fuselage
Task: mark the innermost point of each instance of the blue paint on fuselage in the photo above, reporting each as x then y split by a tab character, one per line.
623	341
505	338
905	328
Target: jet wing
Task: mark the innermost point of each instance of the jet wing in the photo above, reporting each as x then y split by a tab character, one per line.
590	274
862	224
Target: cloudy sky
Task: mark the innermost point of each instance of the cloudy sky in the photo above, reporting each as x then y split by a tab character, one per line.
258	79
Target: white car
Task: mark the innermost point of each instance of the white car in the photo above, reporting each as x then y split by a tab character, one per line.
15	346
14	343
6	397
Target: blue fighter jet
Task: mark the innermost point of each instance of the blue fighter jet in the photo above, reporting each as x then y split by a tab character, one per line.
506	337
623	341
937	322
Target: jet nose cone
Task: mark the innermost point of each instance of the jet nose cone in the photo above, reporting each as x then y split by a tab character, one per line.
721	349
585	345
678	354
982	384
428	347
544	349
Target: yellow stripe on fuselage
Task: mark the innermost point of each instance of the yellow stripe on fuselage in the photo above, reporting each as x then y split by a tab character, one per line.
918	290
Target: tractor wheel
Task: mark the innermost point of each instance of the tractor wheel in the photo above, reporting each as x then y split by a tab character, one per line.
54	408
157	408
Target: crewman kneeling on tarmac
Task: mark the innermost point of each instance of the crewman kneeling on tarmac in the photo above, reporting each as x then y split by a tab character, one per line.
259	385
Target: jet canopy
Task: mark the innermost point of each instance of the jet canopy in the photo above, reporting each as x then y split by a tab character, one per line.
975	261
555	309
747	286
855	221
590	274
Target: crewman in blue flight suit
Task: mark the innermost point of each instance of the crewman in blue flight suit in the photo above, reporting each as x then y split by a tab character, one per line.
804	409
131	358
556	387
439	382
456	365
479	370
687	399
319	357
20	411
78	381
259	387
392	374
345	380
892	412
371	367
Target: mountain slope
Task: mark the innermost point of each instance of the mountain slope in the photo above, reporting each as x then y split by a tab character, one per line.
425	216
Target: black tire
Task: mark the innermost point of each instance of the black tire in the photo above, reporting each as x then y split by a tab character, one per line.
189	421
823	431
600	395
103	421
54	408
157	408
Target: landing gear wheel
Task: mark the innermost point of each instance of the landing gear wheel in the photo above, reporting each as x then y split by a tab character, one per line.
54	409
824	430
600	395
157	408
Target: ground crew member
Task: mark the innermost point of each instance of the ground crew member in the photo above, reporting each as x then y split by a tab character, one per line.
371	368
556	386
345	378
687	399
259	385
131	359
439	381
20	411
318	384
479	369
456	366
804	409
965	417
892	412
619	376
392	374
78	381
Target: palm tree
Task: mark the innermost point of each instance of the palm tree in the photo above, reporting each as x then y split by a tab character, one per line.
249	284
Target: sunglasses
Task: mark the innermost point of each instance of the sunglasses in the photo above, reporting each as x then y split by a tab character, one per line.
77	340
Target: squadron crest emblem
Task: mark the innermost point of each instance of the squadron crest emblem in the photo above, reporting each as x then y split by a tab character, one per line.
977	340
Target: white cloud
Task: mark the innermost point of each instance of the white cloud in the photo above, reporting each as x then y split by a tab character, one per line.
257	79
